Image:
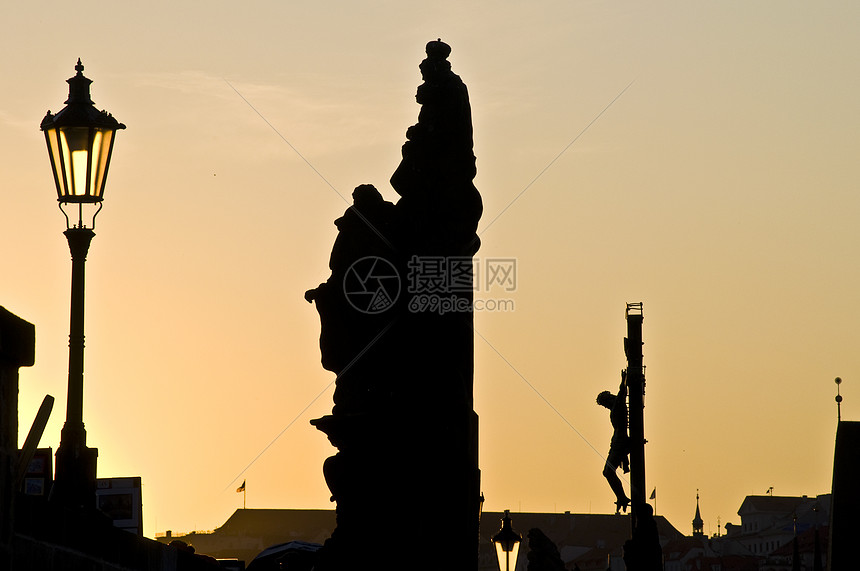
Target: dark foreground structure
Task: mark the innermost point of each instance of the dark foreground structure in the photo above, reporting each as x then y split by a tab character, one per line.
396	318
37	535
844	526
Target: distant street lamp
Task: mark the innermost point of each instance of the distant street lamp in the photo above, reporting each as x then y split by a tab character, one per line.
80	141
507	543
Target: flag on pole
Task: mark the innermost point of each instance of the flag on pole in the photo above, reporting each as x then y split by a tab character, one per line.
653	494
241	488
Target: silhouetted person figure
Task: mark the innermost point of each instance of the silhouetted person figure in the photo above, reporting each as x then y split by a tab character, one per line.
543	554
619	447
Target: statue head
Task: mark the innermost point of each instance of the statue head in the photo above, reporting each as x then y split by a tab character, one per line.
365	195
437	49
606	399
436	65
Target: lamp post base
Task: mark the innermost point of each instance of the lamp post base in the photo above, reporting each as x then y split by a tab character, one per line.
75	483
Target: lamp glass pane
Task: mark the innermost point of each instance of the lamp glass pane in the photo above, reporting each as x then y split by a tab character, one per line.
102	142
514	551
56	163
501	555
74	146
507	559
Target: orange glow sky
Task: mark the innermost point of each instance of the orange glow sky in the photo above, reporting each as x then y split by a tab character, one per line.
721	189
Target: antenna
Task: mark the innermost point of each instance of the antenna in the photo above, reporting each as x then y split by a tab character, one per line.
838	381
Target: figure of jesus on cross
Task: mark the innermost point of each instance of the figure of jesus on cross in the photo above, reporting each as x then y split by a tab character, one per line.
619	447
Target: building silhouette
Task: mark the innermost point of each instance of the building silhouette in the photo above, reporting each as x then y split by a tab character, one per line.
248	532
586	540
764	540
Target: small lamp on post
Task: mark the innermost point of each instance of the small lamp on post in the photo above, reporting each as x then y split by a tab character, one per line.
80	141
507	543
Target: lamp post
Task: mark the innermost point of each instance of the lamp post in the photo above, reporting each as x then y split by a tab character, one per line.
80	141
507	543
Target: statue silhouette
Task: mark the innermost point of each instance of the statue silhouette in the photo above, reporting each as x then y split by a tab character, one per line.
403	419
619	446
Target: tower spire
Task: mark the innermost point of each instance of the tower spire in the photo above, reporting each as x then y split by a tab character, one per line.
698	524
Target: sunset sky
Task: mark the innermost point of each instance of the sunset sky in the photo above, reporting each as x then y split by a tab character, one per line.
700	157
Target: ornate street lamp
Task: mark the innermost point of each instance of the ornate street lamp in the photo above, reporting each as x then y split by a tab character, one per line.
507	543
80	141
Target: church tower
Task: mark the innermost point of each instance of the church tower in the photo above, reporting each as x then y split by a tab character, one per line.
698	524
